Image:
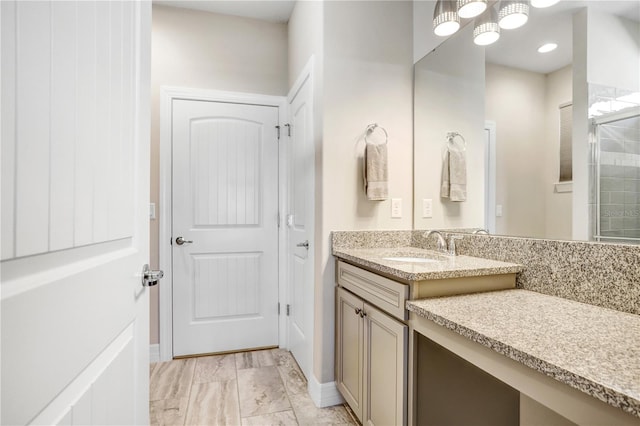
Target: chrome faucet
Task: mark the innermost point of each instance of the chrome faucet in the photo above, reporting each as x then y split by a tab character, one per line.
442	244
452	244
481	231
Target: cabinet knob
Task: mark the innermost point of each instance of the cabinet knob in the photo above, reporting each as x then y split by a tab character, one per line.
363	313
358	311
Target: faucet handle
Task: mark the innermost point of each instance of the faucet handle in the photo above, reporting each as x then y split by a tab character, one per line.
452	244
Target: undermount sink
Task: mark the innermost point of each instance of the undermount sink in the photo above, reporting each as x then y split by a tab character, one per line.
411	259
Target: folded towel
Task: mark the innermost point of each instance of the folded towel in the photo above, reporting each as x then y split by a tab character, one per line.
375	172
454	176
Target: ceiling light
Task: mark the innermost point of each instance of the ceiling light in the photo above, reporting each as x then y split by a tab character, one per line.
471	8
547	47
486	29
543	3
513	13
445	18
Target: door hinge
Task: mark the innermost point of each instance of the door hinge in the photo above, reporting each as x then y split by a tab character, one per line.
278	219
288	126
278	130
278	308
288	309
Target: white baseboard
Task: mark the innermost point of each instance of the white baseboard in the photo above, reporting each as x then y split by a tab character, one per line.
324	394
154	353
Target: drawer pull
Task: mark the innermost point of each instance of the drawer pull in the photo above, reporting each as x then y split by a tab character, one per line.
358	311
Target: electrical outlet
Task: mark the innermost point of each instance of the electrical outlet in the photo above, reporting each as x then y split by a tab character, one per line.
396	208
427	207
498	210
152	211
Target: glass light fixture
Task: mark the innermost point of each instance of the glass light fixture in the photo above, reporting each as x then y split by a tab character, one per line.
513	13
543	3
445	18
471	8
547	47
486	29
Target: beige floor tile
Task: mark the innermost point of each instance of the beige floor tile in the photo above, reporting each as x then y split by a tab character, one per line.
171	380
214	403
284	418
283	357
254	359
308	414
168	411
294	381
217	368
261	391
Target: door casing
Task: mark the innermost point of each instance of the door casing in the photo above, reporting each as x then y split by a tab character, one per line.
167	95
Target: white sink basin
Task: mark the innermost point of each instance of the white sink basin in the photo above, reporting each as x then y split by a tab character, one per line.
411	259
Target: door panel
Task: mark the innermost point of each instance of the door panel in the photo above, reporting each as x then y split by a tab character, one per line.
385	343
75	331
300	223
349	349
225	200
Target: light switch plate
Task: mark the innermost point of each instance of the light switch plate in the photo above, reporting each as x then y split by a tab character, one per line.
396	208
152	211
427	207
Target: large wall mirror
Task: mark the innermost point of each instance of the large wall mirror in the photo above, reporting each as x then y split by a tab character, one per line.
539	163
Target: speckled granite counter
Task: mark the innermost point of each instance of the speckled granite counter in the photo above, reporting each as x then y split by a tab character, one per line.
592	349
446	267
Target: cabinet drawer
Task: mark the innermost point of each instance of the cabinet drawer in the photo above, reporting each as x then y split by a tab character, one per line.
386	294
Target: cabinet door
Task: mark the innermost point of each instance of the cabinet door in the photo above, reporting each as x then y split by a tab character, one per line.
385	369
349	349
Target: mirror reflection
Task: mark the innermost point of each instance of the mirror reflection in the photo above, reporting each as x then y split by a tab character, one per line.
552	139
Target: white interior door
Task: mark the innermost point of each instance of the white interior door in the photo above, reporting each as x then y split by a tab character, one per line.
300	223
225	200
75	194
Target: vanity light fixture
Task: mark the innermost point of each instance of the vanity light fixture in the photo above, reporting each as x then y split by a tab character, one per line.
513	13
547	47
543	3
486	29
445	18
471	8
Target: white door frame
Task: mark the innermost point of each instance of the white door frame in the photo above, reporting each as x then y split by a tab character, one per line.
167	95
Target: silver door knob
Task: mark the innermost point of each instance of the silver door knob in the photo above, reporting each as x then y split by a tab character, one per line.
304	244
150	277
180	241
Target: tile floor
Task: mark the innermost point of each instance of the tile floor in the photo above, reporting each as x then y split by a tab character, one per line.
250	388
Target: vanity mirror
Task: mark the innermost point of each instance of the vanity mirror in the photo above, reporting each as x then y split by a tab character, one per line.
539	162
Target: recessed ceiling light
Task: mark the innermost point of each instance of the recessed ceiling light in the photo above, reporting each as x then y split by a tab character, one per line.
543	3
547	47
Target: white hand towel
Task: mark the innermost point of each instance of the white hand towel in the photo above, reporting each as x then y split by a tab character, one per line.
454	176
445	184
375	172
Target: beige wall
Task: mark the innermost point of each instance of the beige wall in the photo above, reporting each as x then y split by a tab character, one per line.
524	106
515	100
449	97
208	51
558	206
368	61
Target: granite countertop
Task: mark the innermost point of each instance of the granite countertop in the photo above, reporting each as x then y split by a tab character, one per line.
446	267
595	350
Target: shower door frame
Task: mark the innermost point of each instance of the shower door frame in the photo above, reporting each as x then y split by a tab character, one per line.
595	123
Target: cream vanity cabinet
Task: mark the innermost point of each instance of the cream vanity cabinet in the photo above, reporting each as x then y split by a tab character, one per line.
371	345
